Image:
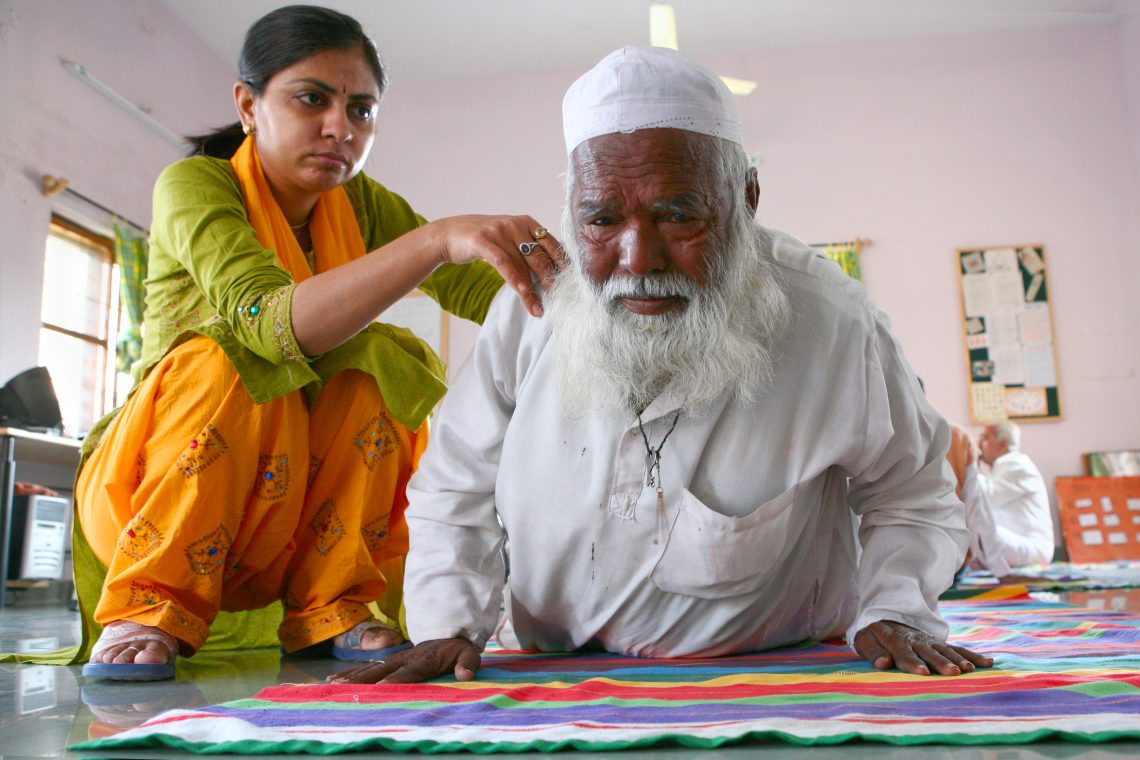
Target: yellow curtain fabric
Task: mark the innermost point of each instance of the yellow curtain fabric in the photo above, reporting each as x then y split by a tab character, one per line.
847	256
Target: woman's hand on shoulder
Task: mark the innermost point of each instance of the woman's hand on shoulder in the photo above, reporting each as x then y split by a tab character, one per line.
518	247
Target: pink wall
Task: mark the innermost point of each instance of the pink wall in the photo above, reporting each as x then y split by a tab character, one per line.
53	123
924	147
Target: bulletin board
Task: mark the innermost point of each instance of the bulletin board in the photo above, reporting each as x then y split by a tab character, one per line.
1100	518
423	316
1011	355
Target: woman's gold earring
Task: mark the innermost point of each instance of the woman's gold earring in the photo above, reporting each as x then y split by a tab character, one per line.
249	130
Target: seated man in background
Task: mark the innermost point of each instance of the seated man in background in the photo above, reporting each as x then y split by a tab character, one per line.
1007	511
669	449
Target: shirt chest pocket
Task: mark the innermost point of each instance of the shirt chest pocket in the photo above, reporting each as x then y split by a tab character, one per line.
713	556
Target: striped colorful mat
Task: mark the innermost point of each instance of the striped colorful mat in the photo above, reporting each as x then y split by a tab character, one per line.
1061	672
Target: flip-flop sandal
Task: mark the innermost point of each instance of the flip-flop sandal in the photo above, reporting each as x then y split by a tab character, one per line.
353	638
125	630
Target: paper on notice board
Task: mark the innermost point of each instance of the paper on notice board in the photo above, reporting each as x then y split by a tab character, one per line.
1031	260
977	341
988	402
977	294
1034	323
992	293
1009	364
972	262
1008	293
1002	330
1026	402
1001	260
1040	369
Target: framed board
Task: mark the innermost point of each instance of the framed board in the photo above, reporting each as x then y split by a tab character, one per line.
1011	355
423	316
1100	518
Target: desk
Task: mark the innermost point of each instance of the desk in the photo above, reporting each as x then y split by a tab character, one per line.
33	447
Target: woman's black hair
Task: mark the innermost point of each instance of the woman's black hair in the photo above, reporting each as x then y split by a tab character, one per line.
276	41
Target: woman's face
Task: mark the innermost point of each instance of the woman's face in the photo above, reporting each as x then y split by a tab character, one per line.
315	122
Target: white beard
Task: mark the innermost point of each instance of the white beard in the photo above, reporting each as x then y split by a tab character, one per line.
611	358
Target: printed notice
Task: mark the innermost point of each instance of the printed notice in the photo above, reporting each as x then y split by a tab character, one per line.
1002	329
1026	402
1039	367
988	402
974	262
1031	260
1009	364
1001	260
1034	323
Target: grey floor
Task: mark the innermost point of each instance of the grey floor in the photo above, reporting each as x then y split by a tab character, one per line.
44	709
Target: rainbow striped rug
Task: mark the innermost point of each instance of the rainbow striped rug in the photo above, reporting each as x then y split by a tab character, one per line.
1061	673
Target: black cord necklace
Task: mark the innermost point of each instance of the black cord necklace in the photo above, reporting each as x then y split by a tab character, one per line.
653	470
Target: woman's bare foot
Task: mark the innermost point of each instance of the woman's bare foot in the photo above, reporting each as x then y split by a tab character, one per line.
126	643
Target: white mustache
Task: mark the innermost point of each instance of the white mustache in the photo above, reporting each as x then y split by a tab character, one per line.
664	285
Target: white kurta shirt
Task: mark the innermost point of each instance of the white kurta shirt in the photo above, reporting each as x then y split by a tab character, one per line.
1015	496
756	545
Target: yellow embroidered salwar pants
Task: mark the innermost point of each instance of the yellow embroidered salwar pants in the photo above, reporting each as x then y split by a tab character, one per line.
197	500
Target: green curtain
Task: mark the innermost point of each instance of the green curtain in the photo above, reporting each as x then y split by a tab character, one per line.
846	255
131	256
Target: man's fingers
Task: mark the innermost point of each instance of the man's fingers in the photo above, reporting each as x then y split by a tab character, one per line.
976	659
370	673
868	646
908	661
467	664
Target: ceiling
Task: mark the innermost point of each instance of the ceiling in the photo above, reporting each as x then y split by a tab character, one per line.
438	39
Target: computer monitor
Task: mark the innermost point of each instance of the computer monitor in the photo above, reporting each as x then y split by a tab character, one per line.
28	401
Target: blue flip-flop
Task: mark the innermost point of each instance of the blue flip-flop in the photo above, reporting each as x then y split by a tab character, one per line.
126	630
128	671
353	654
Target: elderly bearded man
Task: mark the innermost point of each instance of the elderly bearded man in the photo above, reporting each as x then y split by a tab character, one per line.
676	450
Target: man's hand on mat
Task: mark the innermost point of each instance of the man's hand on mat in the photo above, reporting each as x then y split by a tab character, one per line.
425	660
886	643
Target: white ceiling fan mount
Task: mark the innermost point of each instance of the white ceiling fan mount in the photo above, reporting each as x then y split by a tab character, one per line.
663	33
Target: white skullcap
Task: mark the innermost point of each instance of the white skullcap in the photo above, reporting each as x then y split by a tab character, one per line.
645	87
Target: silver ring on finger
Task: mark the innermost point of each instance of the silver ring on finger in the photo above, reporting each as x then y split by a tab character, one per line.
526	249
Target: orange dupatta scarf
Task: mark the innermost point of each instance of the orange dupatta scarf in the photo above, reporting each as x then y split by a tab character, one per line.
333	226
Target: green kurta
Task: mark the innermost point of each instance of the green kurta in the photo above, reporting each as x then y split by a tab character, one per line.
207	270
